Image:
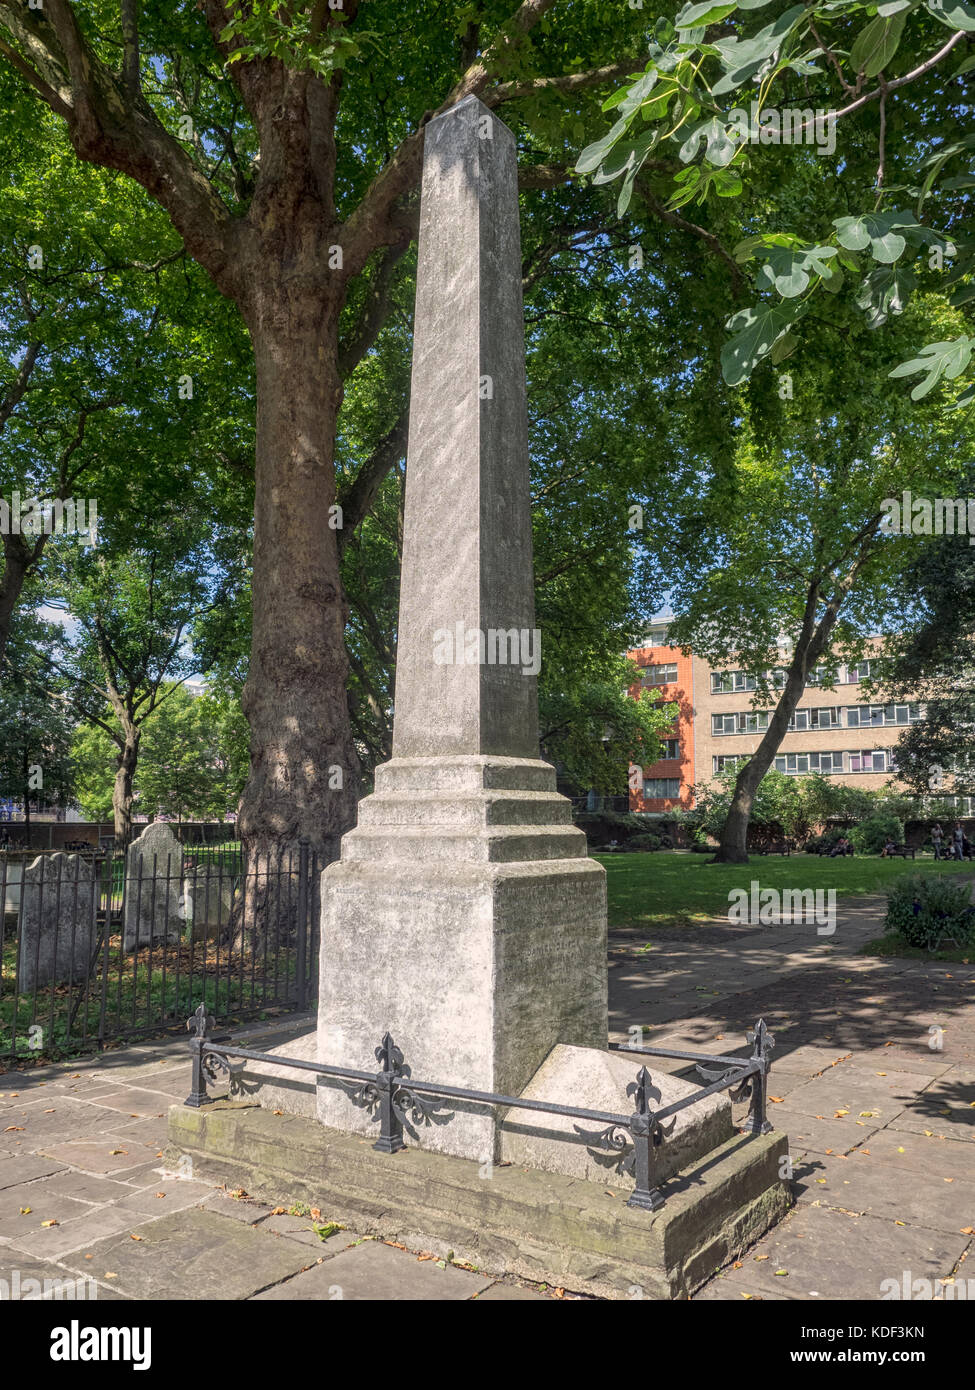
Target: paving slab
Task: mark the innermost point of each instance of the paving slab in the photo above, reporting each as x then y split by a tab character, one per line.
134	1102
24	1209
26	1279
857	1096
20	1168
821	1135
863	1182
38	1122
237	1209
194	1254
82	1233
106	1154
172	1194
723	1289
929	1155
828	1254
513	1293
378	1272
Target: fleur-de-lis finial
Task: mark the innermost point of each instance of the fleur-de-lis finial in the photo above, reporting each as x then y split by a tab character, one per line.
762	1039
200	1022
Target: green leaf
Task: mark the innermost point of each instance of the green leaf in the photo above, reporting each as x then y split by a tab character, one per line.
877	43
592	155
784	348
885	292
956	14
694	16
743	58
937	360
886	233
756	331
789	272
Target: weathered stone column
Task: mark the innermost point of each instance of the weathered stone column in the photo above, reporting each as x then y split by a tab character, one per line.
464	916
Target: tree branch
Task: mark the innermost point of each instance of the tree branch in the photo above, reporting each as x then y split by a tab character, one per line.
356	501
565	82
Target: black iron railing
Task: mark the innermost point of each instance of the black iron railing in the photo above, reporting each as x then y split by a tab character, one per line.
394	1095
97	947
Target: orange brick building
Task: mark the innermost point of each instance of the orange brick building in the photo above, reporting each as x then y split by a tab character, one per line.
838	732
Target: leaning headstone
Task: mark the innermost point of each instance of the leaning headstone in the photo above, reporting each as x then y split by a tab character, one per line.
57	923
153	889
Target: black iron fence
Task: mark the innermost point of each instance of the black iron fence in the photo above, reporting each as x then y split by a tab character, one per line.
102	946
394	1095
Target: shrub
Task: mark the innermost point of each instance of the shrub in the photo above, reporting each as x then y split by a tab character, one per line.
642	842
871	835
923	908
602	826
698	848
825	841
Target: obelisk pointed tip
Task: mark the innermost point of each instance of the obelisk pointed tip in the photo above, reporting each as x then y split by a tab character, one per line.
471	108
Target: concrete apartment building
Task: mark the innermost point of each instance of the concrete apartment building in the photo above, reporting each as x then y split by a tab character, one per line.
837	732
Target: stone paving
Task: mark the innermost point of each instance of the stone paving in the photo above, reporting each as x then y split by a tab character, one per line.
873	1078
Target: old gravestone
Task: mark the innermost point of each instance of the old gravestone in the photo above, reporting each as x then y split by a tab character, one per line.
57	923
153	888
208	897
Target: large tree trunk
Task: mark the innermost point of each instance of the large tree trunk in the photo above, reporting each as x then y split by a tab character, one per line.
810	646
128	759
15	567
304	769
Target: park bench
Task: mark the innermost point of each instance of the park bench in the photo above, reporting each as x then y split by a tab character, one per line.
828	850
776	847
902	851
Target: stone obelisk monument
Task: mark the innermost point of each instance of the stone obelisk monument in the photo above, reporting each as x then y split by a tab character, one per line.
464	916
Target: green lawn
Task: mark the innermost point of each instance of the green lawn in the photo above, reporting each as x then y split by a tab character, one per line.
678	889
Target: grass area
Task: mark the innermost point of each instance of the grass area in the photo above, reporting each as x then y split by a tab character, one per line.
665	889
895	945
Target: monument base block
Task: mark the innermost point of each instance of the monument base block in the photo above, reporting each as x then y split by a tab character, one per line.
465	919
543	1226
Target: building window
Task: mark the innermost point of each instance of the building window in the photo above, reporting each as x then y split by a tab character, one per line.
662	674
874	716
860	672
826	762
724	723
730	760
725	682
660	788
875	761
795	764
669	748
753	723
